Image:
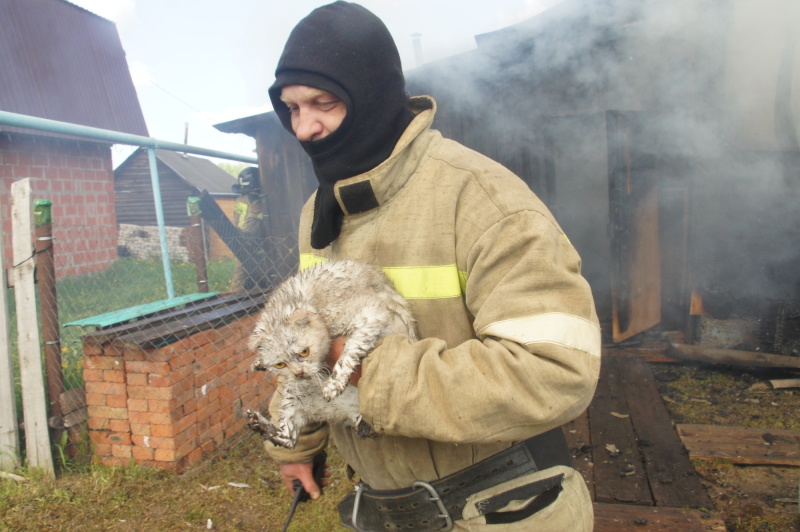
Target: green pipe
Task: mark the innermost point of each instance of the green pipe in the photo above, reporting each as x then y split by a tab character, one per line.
115	137
162	231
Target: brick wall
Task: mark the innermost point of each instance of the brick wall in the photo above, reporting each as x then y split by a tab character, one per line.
169	407
78	178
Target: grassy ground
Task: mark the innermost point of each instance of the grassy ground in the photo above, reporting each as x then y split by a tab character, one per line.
137	498
749	498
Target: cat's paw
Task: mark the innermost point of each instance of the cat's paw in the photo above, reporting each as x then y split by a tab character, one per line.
333	389
261	425
284	441
364	430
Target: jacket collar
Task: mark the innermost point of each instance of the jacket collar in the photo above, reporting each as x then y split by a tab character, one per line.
370	190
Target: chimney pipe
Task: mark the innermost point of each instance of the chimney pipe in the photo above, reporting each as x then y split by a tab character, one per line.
416	39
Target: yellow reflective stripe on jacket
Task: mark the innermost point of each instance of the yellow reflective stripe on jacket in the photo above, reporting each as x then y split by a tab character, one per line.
552	328
241	209
414	282
308	260
426	282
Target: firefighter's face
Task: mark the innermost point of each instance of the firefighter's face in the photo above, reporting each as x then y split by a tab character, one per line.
315	113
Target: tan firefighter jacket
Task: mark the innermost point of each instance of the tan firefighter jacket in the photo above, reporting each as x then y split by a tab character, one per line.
510	340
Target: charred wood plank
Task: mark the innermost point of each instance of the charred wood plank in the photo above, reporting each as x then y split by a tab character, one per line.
742	445
731	357
673	481
579	440
618	469
616	517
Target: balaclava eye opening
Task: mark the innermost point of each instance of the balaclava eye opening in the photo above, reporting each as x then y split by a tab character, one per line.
345	49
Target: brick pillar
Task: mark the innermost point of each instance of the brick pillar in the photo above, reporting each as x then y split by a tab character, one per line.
171	406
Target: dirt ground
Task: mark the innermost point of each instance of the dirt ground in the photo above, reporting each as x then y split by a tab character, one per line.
749	498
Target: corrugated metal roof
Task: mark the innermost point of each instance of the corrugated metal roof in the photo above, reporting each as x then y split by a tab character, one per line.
61	62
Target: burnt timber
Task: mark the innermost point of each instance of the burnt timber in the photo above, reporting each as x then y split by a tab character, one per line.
638	472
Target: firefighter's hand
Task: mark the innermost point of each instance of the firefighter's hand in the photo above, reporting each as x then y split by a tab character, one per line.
337	344
302	471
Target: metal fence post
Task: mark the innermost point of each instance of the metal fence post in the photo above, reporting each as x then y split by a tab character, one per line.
196	249
162	232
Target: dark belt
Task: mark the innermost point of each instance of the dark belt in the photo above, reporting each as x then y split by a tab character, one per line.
432	506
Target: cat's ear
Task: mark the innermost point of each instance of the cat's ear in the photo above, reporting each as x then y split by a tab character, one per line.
255	338
253	342
300	318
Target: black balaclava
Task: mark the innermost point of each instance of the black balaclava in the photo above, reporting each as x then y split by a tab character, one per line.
345	49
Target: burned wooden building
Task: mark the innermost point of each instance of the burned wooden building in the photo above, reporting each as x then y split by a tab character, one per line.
663	135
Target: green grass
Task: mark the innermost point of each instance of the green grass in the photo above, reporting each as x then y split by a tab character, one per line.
135	498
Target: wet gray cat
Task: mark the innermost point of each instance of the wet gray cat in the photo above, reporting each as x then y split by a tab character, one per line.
293	335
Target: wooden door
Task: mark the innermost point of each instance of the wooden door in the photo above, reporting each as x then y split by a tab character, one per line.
634	231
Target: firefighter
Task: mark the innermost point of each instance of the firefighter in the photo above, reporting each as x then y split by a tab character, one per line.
248	216
470	416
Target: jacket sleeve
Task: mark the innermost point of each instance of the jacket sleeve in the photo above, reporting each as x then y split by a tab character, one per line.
533	364
312	440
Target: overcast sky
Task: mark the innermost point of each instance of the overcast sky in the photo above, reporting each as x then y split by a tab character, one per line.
203	62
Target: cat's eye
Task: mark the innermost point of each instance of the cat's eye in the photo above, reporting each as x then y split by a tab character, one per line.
280	365
304	353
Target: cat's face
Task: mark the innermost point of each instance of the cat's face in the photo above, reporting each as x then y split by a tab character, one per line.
292	347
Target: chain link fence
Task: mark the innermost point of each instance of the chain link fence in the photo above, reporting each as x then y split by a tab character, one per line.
97	404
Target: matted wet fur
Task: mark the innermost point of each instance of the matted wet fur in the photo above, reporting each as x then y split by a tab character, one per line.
293	335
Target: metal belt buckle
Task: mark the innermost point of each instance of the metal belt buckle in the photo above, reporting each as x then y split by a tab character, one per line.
356	503
443	513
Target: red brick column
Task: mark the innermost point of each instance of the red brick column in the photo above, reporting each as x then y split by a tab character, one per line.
169	407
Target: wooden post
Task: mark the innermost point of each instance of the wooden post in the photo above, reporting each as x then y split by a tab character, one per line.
48	311
9	431
196	248
34	407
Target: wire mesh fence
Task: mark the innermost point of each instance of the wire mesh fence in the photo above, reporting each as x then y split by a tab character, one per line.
136	375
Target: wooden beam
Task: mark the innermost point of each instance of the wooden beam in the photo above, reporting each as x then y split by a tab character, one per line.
731	357
742	445
34	405
616	517
673	480
779	384
618	469
9	431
